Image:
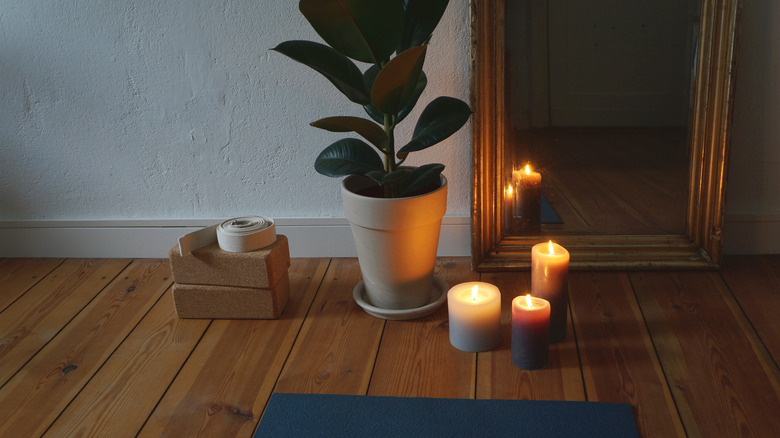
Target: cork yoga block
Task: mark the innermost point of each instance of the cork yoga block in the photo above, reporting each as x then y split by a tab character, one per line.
210	265
229	302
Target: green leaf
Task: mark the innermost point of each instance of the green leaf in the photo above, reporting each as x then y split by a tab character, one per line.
365	30
376	175
422	82
441	118
420	19
396	82
337	68
377	115
396	176
369	76
366	128
347	157
421	178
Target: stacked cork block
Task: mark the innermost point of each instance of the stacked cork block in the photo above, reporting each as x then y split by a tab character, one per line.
215	284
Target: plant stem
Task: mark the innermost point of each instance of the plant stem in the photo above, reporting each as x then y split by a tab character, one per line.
390	151
390	165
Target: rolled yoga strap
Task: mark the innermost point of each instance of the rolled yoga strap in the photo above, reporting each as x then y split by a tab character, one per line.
240	234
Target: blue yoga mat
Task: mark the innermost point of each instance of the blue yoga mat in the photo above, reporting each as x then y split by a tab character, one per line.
319	415
549	216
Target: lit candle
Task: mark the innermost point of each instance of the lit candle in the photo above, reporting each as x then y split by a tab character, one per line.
527	208
550	280
509	209
475	316
530	332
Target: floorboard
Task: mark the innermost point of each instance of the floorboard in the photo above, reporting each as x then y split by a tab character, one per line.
337	346
35	396
94	348
223	388
18	275
717	370
415	358
619	362
755	283
125	391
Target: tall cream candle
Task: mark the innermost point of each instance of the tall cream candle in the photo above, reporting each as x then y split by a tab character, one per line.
550	280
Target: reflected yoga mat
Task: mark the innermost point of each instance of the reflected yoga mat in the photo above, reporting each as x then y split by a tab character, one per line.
320	415
549	216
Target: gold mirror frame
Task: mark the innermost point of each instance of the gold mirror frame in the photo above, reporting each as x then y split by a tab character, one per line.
712	101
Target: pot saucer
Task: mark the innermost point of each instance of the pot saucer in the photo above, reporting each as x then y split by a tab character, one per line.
438	297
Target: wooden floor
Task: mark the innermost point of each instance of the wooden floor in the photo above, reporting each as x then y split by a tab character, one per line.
93	347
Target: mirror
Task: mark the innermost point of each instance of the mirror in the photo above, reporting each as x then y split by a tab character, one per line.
672	217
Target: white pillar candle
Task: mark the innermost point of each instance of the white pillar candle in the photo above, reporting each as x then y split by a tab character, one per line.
550	280
475	316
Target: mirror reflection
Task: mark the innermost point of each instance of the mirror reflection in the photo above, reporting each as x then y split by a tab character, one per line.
599	98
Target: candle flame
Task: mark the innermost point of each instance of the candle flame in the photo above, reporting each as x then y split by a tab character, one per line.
527	169
528	301
550	246
474	293
509	190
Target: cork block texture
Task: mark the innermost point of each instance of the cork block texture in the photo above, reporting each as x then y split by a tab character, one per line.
210	265
229	302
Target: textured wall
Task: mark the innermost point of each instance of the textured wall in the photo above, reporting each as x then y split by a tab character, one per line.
177	109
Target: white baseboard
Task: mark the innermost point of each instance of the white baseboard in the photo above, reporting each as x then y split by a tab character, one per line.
315	237
310	237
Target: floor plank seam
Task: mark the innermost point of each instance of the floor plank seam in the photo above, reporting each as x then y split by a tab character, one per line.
108	358
173	379
376	357
64	325
579	355
657	356
32	286
297	334
749	321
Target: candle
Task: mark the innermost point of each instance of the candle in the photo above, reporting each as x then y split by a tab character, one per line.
550	280
527	207
530	332
509	209
475	316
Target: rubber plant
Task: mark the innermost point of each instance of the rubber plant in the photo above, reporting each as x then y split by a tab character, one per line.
392	37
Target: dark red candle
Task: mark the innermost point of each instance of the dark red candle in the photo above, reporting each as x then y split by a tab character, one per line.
530	332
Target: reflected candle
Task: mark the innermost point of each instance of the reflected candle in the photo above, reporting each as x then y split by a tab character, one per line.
530	332
550	280
527	201
475	316
508	207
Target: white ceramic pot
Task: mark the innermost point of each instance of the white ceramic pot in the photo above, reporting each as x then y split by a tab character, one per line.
396	241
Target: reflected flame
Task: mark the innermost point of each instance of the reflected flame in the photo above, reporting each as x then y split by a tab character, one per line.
527	169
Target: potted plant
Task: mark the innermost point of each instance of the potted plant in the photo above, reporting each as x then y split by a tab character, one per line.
394	209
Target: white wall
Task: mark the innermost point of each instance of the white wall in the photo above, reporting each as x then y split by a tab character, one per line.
175	111
146	109
753	188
